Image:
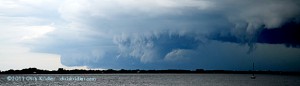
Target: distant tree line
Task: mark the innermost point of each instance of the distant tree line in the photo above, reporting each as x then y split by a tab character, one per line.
111	71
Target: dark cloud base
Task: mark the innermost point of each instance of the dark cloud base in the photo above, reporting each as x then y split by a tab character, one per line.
288	34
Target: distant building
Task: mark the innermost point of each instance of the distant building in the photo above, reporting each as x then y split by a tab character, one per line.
60	69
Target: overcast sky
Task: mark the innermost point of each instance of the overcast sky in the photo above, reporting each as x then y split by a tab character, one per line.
150	34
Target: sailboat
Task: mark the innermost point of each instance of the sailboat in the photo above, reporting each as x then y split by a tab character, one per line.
253	76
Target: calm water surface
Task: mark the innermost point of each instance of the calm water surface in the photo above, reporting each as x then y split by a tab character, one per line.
147	80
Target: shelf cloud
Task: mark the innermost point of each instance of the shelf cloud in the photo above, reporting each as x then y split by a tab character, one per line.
168	33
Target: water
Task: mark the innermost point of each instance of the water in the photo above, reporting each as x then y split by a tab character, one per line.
147	80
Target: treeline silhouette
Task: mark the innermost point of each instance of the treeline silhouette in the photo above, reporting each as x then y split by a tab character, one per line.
111	71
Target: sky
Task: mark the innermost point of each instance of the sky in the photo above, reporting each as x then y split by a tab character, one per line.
150	34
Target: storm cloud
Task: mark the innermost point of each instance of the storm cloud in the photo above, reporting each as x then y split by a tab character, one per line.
167	33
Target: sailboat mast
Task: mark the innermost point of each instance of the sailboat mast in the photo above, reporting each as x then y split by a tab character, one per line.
253	69
253	77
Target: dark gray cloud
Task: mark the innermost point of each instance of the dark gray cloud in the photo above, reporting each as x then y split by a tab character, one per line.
253	22
287	34
155	47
